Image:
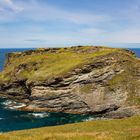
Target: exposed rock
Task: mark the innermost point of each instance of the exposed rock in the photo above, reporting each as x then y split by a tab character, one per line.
107	84
123	112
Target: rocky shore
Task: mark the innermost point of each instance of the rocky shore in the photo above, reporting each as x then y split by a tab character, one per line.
79	80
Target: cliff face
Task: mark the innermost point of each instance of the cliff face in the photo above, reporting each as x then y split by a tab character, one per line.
80	80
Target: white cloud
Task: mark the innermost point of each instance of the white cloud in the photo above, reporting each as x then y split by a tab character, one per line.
33	10
93	31
98	28
38	12
9	4
129	35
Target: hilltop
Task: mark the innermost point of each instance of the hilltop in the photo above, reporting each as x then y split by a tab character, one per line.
80	80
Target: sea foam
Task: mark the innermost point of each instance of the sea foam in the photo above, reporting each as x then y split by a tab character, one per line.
7	102
12	104
39	114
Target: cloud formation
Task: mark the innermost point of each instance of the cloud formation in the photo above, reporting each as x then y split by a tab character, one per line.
39	22
33	10
6	5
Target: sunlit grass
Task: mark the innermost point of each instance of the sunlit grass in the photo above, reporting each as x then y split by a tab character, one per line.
121	129
42	66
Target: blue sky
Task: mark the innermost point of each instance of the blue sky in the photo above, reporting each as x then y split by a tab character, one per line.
55	23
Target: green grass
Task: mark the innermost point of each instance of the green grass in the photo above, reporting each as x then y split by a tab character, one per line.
121	129
120	80
129	81
45	65
87	88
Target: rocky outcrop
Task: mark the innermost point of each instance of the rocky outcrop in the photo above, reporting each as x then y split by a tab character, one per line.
107	85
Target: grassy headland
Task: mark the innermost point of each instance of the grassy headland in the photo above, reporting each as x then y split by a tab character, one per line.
50	63
42	64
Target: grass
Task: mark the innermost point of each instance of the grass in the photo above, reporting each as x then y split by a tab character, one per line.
120	80
87	88
42	66
129	81
117	129
45	65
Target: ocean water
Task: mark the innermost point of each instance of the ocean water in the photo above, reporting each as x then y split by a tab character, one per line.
136	51
3	53
11	119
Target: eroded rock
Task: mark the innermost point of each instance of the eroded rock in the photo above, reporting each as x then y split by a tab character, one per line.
107	86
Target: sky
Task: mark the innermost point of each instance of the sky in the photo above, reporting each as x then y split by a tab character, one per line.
56	23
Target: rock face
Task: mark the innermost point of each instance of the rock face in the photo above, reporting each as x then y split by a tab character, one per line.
101	81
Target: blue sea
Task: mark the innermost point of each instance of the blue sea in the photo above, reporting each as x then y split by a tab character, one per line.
136	51
11	119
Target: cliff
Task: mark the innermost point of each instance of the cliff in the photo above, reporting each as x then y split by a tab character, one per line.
81	80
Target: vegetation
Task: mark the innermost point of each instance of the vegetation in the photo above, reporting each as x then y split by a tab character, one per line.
87	88
128	80
123	129
44	64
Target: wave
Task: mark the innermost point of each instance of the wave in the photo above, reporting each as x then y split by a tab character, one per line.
89	119
12	104
94	118
17	106
7	102
39	114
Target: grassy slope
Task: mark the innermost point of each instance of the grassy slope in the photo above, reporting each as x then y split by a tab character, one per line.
50	64
123	129
128	80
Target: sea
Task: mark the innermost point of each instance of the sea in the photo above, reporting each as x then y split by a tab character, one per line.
12	119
